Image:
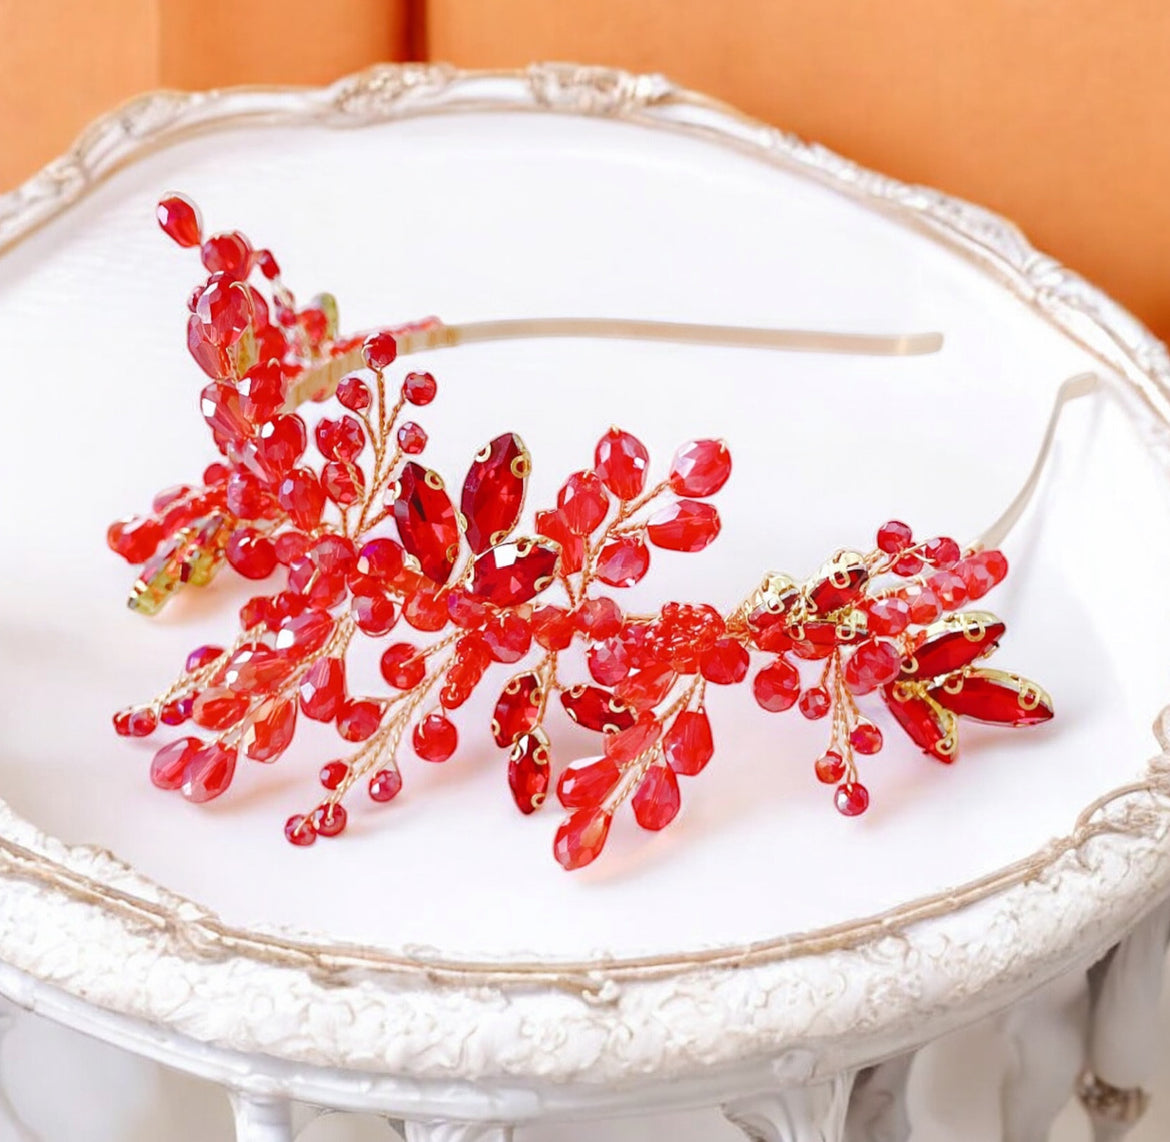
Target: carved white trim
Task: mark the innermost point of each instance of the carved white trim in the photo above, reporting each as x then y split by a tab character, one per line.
76	922
262	1118
798	1114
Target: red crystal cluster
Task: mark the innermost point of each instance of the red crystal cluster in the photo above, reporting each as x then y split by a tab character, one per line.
367	541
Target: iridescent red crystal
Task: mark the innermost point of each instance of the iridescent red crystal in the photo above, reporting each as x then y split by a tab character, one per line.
621	461
686	525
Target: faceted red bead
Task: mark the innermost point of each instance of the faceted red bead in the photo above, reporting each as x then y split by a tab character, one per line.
341	439
228	253
465	611
598	618
321	587
209	772
621	460
332	774
948	588
830	767
219	709
280	443
301	495
426	521
267	264
581	837
177	712
358	721
623	561
380	350
587	782
435	738
647	687
220	404
981	572
353	393
700	468
941	551
298	830
627	745
553	627
168	769
385	785
777	687
323	689
514	573
682	632
924	606
996	697
377	567
271	729
596	709
425	610
552	525
224	309
251	553
142	722
888	616
374	614
255	668
122	723
851	799
302	634
412	438
493	491
507	637
419	388
894	536
724	662
908	564
583	502
528	771
609	662
685	525
135	539
865	738
517	709
875	662
657	800
179	218
330	819
815	703
954	644
211	358
247	497
688	744
200	657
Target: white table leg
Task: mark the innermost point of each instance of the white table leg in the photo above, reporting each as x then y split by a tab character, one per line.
442	1131
800	1114
1124	1028
262	1118
11	1126
877	1106
1046	1043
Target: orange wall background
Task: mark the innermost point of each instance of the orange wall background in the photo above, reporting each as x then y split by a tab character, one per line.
1054	112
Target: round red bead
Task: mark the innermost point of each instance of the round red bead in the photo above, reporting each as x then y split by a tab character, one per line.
435	738
333	773
299	830
623	561
229	253
330	819
724	662
380	350
412	438
777	687
419	388
353	393
851	799
894	536
866	738
359	720
830	767
385	785
814	703
250	553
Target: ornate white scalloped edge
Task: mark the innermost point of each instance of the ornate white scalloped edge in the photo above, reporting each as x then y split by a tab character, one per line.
80	920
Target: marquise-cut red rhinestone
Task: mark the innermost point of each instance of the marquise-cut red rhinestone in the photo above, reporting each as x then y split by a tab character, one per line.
209	772
621	461
688	744
270	730
623	562
700	468
168	769
777	687
840	584
875	662
926	724
528	771
581	837
995	696
179	218
657	800
514	573
493	491
426	520
323	689
686	525
552	526
517	708
587	782
596	709
954	643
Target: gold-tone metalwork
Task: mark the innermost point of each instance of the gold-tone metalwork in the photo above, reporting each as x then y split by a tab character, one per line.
1110	1105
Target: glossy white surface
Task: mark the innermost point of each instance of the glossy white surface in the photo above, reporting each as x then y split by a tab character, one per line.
499	215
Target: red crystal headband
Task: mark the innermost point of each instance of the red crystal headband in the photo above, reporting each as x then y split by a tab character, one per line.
369	539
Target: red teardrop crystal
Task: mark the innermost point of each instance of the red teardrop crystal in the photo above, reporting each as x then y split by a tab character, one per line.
359	720
686	525
724	662
581	837
621	461
528	771
218	709
587	782
302	634
426	521
627	745
168	769
623	562
830	767
582	502
865	738
323	689
700	468
514	573
209	772
179	218
596	709
777	687
552	526
271	729
647	687
493	492
995	696
657	800
688	744
516	709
